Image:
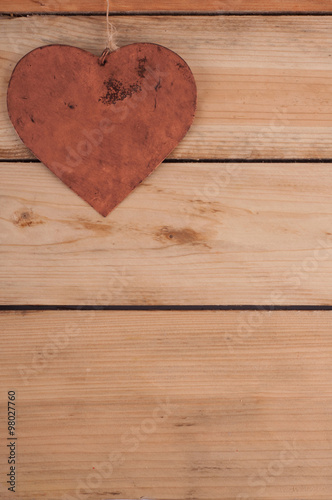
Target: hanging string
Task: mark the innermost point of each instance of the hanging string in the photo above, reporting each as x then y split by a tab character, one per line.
111	44
111	31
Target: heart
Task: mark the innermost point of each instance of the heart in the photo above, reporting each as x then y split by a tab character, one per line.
102	125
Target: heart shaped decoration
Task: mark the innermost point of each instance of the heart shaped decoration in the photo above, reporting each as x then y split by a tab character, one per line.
102	125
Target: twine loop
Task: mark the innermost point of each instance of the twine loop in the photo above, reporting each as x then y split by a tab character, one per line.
111	43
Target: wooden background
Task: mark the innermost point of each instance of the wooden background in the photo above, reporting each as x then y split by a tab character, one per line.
181	348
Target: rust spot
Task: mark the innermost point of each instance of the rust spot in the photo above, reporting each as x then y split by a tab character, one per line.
141	67
70	105
27	219
116	91
158	86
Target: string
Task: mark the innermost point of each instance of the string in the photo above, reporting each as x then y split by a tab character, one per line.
111	38
111	31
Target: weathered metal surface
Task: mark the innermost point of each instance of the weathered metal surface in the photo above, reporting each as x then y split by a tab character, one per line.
102	125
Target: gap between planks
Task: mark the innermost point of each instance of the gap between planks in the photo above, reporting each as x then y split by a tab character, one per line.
12	15
248	307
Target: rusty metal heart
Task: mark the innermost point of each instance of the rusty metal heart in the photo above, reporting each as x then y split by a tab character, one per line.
102	125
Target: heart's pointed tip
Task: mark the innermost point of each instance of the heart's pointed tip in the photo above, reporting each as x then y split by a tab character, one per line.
104	213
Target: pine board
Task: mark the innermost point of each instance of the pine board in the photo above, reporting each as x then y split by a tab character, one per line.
191	234
242	6
191	408
264	83
178	405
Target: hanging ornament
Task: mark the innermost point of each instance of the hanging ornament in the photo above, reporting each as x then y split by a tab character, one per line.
102	125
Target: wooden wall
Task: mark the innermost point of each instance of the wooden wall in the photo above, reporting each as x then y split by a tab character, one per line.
180	348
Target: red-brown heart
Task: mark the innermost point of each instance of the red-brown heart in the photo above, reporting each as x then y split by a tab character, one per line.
102	125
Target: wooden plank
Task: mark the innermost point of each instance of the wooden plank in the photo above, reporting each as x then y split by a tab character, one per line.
168	405
264	83
167	6
190	234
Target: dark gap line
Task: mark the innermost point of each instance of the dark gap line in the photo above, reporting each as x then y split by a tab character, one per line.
209	160
23	160
252	160
169	13
167	308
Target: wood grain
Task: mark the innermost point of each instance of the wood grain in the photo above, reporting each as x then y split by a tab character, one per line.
192	409
167	6
190	234
264	83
